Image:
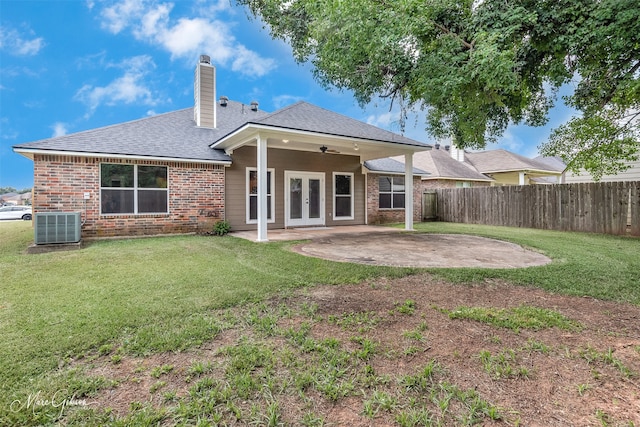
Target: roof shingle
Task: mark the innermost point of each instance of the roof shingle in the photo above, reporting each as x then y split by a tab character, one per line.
175	135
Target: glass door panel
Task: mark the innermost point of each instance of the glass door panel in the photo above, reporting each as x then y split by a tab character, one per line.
314	198
295	198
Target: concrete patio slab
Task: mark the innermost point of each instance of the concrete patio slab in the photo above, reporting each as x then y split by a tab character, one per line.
398	248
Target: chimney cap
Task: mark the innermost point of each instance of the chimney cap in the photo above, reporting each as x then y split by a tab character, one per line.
205	59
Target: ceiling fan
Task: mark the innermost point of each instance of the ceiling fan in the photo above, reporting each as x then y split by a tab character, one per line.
326	149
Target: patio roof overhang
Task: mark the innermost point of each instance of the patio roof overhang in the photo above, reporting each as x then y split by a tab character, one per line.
300	140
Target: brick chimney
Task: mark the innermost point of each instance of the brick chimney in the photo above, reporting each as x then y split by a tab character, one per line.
204	93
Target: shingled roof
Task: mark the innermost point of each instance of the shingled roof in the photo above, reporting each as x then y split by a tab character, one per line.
303	116
441	165
389	165
171	135
493	161
175	135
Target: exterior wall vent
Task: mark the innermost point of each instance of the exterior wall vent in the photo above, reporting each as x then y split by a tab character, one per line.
57	227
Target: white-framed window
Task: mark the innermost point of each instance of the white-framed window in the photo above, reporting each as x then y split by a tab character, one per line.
463	184
133	189
391	192
342	195
252	195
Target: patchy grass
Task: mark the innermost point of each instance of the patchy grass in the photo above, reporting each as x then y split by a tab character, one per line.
120	301
151	294
523	317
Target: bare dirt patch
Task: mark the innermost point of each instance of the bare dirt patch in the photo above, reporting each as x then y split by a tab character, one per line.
580	377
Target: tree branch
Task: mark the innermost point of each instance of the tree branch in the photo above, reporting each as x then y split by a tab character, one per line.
448	32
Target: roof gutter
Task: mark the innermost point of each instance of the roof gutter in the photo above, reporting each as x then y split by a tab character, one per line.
29	152
540	171
259	127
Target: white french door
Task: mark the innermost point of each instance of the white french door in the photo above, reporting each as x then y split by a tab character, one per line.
304	201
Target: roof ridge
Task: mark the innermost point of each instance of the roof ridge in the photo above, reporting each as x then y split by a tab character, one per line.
282	110
433	160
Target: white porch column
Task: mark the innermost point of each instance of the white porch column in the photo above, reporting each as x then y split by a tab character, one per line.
408	191
521	178
261	159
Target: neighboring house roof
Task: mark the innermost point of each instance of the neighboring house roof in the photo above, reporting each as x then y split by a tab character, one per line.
175	135
441	165
554	162
388	165
494	161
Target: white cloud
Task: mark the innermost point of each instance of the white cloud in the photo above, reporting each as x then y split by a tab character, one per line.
284	100
59	129
186	37
250	63
120	15
7	132
213	6
384	120
509	141
14	43
128	89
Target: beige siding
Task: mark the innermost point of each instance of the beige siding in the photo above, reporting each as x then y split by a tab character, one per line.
288	160
631	174
205	94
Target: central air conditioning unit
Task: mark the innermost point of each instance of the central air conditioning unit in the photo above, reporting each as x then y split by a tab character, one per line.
57	227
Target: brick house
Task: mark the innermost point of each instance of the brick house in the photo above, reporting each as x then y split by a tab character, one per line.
181	171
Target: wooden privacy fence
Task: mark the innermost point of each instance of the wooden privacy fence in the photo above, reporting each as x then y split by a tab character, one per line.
605	207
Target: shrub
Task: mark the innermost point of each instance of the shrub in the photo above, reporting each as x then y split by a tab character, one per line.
221	228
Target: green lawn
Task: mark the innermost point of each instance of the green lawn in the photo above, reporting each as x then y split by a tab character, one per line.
155	294
600	266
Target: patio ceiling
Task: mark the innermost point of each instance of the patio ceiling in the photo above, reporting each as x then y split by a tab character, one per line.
297	140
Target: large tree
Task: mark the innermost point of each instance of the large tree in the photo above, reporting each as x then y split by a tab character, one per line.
474	67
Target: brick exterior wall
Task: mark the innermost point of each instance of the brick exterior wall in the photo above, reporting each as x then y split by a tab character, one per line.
196	196
382	216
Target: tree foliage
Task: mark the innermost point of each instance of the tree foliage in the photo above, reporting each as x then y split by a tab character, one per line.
475	67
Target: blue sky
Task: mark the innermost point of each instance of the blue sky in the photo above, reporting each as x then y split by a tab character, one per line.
69	66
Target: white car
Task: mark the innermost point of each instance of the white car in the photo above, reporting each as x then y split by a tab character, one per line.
16	212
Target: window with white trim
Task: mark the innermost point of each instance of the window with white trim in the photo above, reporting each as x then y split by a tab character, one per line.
391	192
463	184
252	195
133	189
343	195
